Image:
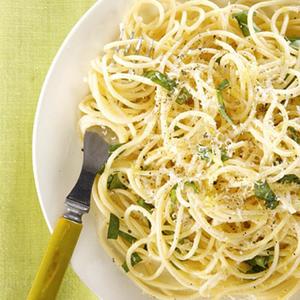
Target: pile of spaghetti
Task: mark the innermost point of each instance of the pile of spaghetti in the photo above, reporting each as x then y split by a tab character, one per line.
201	192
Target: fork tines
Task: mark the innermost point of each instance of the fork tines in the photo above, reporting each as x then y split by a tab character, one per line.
139	43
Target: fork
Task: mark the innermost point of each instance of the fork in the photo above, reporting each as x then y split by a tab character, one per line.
66	233
139	43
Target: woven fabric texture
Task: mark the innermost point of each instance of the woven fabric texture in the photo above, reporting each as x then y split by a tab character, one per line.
31	32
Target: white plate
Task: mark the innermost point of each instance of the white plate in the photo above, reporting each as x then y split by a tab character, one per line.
56	146
57	152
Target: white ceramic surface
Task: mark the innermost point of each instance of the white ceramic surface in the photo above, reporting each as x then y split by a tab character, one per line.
56	146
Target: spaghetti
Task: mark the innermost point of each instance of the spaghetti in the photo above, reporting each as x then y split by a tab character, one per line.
200	194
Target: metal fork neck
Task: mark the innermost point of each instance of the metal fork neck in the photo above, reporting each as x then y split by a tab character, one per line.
75	211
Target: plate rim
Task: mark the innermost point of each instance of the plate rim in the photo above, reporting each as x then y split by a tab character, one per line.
76	262
41	100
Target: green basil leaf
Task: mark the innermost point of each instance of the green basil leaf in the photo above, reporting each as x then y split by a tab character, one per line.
125	267
218	60
113	227
181	241
222	109
161	79
101	170
223	85
135	259
289	178
295	42
193	185
126	236
259	263
113	147
294	134
224	155
149	207
183	96
167	232
255	269
263	191
173	194
242	19
114	182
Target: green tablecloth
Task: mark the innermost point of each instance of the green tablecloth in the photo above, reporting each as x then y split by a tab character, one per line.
31	32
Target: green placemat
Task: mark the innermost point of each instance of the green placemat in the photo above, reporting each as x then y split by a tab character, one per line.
31	32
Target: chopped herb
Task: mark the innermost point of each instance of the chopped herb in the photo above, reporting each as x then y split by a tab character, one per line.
179	136
126	236
167	232
289	178
113	227
173	194
259	263
204	153
125	267
294	134
242	19
112	148
223	85
181	241
218	60
224	155
161	79
295	42
193	185
184	96
222	109
101	170
263	191
149	207
135	259
114	182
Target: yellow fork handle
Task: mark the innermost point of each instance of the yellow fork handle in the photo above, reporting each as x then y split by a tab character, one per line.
56	259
